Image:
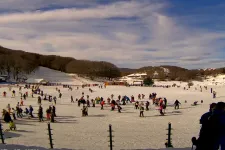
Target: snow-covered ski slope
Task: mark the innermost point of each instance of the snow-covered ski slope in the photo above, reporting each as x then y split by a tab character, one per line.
55	76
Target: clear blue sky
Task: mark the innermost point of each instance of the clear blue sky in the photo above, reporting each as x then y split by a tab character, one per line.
128	33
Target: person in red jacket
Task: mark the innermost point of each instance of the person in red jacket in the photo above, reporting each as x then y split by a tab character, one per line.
102	105
4	93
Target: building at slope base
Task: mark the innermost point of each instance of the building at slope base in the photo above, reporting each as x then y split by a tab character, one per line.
135	79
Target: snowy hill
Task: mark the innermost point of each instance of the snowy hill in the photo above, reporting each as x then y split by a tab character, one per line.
55	76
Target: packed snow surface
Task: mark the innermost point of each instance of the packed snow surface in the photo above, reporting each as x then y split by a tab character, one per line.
55	76
72	131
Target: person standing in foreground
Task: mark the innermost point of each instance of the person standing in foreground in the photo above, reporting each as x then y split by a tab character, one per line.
141	111
212	132
72	101
177	104
214	94
40	114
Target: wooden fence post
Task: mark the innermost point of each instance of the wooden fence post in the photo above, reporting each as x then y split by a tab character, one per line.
110	137
1	134
50	136
169	140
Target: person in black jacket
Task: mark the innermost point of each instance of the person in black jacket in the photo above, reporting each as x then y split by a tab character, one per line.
177	104
40	114
7	118
210	131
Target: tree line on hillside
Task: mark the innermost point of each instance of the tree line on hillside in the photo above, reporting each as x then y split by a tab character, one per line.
175	73
16	63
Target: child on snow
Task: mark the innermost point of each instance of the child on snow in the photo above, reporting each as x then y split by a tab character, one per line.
119	108
72	101
214	94
102	105
142	111
136	105
48	113
9	108
84	111
93	103
4	94
21	102
12	125
147	105
14	113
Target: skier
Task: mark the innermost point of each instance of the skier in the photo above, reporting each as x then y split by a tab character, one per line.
88	103
93	103
165	101
136	105
177	104
141	111
132	98
26	111
6	116
48	113
119	108
40	114
112	106
31	111
147	105
119	97
161	106
52	116
14	113
54	98
18	112
72	101
139	96
24	96
4	94
102	105
12	125
13	93
39	100
214	94
123	101
8	108
84	111
112	96
21	102
79	101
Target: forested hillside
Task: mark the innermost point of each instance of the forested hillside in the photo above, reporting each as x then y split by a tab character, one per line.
16	62
174	72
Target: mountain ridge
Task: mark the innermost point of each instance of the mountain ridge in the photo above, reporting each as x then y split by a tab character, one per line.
18	61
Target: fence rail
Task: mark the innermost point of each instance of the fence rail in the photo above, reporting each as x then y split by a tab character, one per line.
110	131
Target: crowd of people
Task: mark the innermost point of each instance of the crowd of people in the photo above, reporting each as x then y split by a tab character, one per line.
10	114
212	133
21	111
